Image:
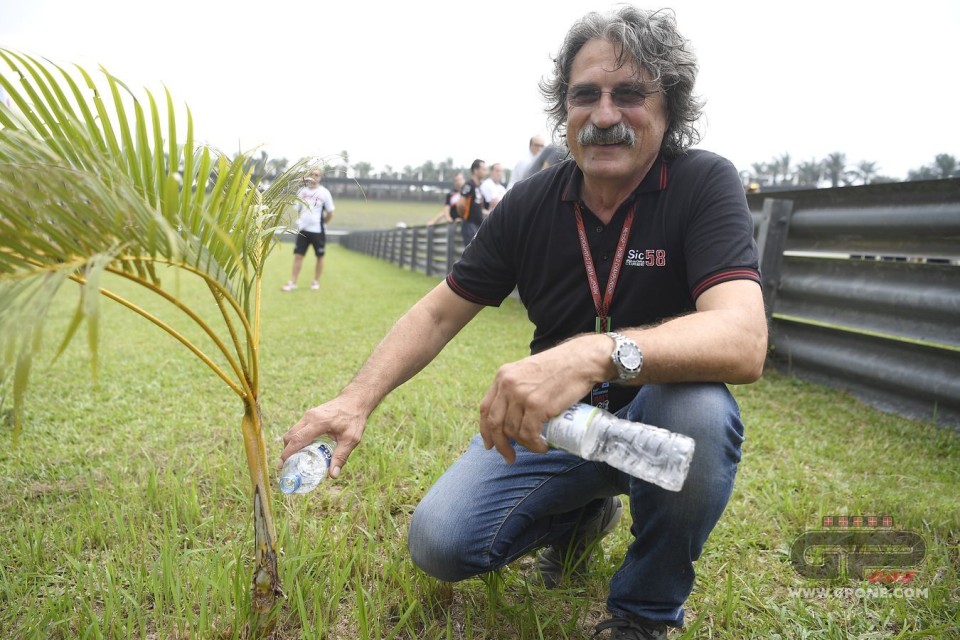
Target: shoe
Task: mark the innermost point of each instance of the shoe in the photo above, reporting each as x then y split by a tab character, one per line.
315	286
571	558
632	629
289	286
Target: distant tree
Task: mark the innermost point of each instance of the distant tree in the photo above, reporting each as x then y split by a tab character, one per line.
428	171
923	173
946	165
865	171
835	168
362	169
809	173
445	169
274	169
781	165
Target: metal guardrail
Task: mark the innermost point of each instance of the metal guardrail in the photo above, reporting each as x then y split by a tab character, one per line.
861	286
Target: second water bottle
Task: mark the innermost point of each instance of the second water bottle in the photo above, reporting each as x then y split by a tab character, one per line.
641	450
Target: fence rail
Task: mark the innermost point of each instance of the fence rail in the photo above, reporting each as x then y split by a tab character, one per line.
861	286
428	249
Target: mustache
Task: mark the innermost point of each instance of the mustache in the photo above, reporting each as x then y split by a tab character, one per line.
619	133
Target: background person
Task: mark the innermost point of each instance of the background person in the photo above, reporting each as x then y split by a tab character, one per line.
315	206
551	155
686	297
470	206
534	147
449	212
492	188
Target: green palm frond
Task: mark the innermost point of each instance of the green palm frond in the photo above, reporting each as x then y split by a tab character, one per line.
96	186
93	181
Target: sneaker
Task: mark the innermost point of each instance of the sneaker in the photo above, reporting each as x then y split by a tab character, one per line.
289	286
315	286
631	629
571	558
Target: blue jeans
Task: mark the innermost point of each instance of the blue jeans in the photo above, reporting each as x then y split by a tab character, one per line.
484	513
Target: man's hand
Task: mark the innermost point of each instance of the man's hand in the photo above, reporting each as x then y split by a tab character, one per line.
528	392
337	419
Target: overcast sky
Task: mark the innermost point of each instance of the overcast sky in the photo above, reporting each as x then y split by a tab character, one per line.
399	83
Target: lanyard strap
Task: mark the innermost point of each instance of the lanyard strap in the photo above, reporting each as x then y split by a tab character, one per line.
602	305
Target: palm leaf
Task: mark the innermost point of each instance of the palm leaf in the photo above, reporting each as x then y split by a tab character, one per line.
91	185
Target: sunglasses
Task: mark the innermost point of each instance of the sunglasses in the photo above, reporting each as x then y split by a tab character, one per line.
623	97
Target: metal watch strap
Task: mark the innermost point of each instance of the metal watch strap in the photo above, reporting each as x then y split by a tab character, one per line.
619	340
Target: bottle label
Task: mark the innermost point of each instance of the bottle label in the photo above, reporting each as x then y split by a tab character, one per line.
566	430
324	450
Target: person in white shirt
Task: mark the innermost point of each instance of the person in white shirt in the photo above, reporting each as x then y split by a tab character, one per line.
520	171
315	206
492	188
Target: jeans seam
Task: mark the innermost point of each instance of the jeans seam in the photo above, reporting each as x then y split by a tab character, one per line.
489	550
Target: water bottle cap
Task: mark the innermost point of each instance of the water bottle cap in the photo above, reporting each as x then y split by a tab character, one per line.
289	484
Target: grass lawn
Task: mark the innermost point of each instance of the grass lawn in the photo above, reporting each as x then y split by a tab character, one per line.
382	214
125	509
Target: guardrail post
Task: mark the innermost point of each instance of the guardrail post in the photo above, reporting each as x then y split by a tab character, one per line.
776	213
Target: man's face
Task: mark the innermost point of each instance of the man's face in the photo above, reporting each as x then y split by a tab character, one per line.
496	173
458	181
595	67
481	172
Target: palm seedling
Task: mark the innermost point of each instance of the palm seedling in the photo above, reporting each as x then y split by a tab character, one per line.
94	186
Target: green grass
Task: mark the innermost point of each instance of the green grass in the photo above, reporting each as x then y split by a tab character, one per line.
125	510
383	214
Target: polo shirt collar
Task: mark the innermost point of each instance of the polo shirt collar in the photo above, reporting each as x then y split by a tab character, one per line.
655	180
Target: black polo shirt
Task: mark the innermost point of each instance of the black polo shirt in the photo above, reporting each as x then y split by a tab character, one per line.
692	229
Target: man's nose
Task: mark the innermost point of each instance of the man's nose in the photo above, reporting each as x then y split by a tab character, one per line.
605	113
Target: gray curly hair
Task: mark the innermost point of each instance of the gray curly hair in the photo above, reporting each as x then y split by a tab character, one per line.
650	40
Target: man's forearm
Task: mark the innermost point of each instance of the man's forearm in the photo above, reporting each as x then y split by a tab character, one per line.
724	341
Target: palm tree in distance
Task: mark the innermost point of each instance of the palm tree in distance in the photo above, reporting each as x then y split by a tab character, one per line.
809	173
866	171
91	191
835	168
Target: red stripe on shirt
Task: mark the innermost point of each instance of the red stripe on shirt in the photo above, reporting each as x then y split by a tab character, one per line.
467	295
724	276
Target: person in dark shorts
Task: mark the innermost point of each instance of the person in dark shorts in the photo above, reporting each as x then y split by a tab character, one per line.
315	206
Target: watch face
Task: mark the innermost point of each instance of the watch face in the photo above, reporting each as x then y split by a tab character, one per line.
630	357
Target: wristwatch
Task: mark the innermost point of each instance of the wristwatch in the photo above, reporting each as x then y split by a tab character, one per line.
626	356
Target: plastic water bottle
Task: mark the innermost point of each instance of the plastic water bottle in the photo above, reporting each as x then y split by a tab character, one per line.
641	450
306	469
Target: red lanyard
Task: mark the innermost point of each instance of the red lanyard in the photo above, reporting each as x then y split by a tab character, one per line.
603	305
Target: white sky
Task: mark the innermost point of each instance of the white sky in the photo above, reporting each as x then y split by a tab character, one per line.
400	83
